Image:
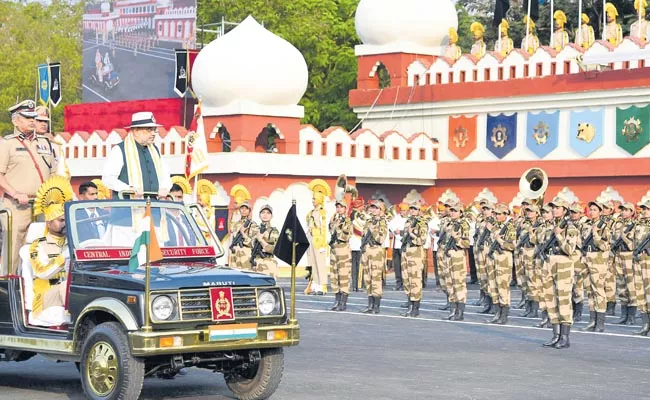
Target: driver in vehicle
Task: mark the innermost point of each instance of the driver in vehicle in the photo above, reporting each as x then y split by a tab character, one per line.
46	254
91	222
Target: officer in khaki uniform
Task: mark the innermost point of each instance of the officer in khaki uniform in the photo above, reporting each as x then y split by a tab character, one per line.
26	161
267	237
46	254
340	256
504	237
414	235
453	250
375	234
245	229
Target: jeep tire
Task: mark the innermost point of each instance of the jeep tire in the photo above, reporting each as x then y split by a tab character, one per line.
108	371
258	382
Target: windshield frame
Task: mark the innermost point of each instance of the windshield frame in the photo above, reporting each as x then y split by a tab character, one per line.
74	242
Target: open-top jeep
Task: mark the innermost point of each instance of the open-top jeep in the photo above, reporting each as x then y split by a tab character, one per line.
121	326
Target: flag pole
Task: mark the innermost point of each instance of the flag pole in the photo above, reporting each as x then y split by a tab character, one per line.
147	284
292	315
528	25
579	23
552	23
604	20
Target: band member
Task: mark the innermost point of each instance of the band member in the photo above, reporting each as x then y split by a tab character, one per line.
243	232
374	235
642	243
340	256
504	236
558	290
595	247
585	35
414	235
26	162
453	250
395	228
47	254
358	218
526	247
317	254
263	260
623	234
479	47
135	164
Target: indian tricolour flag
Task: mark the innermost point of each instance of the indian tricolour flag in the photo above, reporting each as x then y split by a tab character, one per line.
146	248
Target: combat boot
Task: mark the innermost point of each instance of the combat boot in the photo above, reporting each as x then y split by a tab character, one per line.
556	337
416	309
480	300
600	322
371	303
497	307
591	327
503	318
343	305
522	302
408	312
452	312
488	305
337	302
611	308
527	309
545	321
446	306
646	325
631	315
577	311
406	304
563	343
377	304
460	312
623	320
534	308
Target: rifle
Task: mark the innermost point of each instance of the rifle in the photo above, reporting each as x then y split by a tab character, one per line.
407	241
525	239
367	239
550	243
495	246
589	243
484	235
451	242
619	243
257	248
334	238
239	238
643	247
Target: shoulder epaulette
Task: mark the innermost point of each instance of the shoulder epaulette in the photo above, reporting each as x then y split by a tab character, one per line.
13	136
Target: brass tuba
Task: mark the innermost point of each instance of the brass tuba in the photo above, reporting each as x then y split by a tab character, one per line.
533	184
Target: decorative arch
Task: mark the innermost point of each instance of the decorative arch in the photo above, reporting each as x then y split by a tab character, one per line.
381	73
270	140
222	137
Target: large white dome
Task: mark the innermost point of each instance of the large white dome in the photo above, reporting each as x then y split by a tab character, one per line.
249	65
424	23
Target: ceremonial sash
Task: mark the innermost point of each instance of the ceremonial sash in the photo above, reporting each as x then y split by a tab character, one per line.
38	169
133	162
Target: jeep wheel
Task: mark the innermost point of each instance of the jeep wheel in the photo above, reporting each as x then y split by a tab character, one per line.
108	371
260	381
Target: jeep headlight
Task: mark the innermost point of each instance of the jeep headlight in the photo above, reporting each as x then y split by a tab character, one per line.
268	303
163	308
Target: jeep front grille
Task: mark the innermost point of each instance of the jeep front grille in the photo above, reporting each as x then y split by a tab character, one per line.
195	304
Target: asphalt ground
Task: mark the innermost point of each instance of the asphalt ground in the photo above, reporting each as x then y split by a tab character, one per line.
145	75
349	355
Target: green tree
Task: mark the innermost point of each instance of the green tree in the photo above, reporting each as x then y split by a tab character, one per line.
323	31
30	34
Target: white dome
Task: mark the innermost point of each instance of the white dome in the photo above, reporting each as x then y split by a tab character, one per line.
250	65
105	7
422	22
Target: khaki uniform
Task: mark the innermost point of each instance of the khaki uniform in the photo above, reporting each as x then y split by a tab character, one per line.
579	267
413	259
455	258
613	33
503	261
443	262
374	256
266	263
596	263
22	172
317	253
623	263
642	230
341	255
540	275
610	275
48	264
560	39
478	49
242	253
532	44
558	293
586	37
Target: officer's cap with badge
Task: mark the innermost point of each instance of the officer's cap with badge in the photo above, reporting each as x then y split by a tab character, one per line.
42	114
26	108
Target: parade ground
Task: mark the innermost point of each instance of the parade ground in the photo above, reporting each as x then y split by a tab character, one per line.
348	355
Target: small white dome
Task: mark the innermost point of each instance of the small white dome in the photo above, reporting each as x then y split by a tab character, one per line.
422	22
105	7
250	64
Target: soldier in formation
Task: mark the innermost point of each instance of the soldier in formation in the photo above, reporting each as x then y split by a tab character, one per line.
243	232
414	235
373	256
340	227
262	259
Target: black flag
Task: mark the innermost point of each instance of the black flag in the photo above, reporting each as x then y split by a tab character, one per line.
534	9
291	233
180	81
221	221
55	83
501	7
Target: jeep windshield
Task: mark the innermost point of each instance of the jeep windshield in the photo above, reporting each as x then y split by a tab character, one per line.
107	230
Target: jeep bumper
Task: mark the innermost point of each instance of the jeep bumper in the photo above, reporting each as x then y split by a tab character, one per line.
199	340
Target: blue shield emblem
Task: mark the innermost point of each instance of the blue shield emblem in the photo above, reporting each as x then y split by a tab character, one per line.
586	131
542	132
44	83
501	134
